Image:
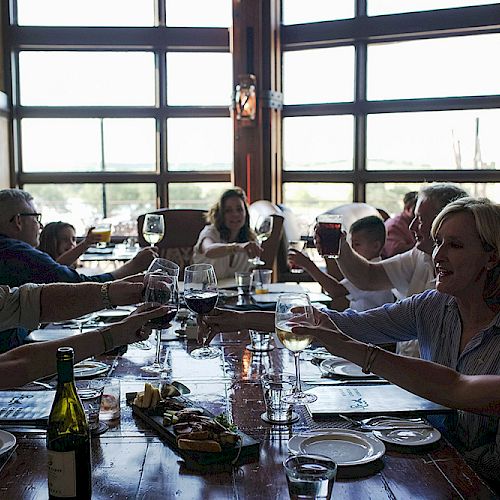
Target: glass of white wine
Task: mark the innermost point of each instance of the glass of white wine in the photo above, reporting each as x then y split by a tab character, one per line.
294	309
263	230
153	228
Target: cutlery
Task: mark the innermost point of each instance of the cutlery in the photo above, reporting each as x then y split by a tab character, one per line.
345	382
383	420
393	427
43	384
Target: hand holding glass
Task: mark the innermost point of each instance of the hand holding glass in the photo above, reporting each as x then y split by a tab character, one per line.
153	228
293	309
263	230
161	288
201	294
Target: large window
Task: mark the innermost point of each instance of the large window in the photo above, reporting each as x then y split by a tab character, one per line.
376	104
121	106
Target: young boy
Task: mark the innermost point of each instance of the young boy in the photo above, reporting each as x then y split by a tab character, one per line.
367	239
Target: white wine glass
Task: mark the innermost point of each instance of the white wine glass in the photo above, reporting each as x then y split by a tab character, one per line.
161	288
153	228
294	309
201	294
263	230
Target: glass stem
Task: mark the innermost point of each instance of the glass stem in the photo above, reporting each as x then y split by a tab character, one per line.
298	384
158	347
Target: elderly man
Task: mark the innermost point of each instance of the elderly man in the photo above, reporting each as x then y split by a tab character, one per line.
412	271
30	304
21	262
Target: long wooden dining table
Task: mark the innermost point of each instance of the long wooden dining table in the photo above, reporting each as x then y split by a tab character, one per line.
131	461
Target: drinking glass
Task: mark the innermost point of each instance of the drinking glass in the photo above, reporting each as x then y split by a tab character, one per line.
328	233
153	228
159	264
103	230
161	288
299	246
263	230
200	295
293	309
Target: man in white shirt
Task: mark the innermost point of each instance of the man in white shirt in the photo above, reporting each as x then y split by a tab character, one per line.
410	272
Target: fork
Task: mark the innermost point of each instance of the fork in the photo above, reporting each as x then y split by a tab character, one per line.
367	421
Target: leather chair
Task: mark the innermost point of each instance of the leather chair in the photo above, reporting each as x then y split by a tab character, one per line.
271	245
182	228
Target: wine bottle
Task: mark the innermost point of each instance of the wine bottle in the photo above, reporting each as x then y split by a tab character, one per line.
68	436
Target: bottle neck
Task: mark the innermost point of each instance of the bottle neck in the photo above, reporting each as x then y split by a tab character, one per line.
65	371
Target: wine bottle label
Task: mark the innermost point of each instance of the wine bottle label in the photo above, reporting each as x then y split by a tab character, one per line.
62	473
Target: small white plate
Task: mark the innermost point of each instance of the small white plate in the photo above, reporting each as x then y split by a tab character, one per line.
89	368
7	441
343	368
345	447
409	437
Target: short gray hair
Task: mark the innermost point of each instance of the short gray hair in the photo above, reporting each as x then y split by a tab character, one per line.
441	194
11	201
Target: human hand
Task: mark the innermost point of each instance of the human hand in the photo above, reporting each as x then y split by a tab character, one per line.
217	321
129	290
324	329
134	328
252	249
91	238
297	259
144	257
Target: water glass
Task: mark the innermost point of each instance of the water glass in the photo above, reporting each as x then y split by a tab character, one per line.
259	341
110	402
310	476
274	387
90	394
244	282
262	280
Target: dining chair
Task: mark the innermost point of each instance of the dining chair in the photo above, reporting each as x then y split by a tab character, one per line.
182	228
271	245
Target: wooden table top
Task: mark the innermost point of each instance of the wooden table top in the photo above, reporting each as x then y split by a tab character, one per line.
131	461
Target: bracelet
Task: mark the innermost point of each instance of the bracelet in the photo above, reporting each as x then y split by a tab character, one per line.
105	295
107	338
370	355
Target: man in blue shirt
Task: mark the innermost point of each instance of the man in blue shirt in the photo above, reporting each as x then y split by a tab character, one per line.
21	262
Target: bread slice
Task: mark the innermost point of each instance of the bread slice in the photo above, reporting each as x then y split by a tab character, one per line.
193	445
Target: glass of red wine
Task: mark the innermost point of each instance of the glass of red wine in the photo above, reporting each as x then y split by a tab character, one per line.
328	235
201	294
161	288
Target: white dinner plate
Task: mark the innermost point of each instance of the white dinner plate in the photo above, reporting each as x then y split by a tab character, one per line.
409	437
345	447
7	441
343	368
113	314
89	368
320	353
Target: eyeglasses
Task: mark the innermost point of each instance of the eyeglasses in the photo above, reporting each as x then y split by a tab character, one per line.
37	216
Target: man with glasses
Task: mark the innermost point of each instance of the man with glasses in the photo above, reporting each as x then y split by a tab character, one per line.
21	262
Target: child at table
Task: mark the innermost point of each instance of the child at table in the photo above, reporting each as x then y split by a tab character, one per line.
58	239
367	239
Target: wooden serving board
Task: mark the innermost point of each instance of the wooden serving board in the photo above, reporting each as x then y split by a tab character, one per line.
199	459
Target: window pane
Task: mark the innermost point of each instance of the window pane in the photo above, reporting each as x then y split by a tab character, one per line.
74	144
443	67
130	144
294	11
200	144
199	13
307	200
318	143
82	204
377	7
200	195
85	12
87	78
318	75
199	79
434	140
389	196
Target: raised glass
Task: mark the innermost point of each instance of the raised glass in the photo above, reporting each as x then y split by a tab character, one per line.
199	78
433	68
263	229
153	229
201	294
293	310
68	78
318	75
323	143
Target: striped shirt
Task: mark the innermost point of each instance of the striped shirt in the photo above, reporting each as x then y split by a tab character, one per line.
434	319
